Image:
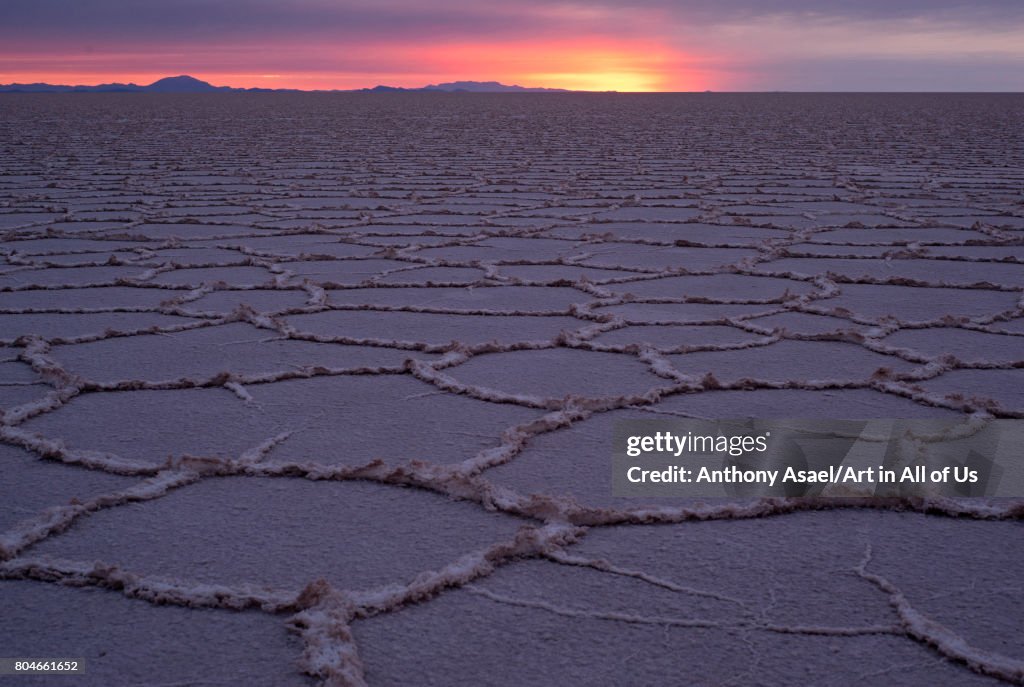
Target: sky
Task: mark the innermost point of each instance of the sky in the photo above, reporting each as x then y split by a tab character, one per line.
624	45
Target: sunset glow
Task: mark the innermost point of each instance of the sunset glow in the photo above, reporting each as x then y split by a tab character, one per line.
648	45
583	64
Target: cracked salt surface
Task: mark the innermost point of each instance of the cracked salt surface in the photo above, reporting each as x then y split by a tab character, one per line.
283	402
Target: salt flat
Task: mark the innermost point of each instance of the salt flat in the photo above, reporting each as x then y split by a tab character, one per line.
319	389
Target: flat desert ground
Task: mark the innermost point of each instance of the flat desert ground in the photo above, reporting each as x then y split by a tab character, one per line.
320	389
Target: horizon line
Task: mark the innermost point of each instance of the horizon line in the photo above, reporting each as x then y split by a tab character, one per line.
463	92
505	89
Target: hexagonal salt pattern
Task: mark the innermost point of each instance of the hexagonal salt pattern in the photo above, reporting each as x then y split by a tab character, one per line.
320	390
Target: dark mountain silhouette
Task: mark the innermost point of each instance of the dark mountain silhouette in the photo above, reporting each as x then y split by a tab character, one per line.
170	84
50	88
487	87
189	84
182	84
464	87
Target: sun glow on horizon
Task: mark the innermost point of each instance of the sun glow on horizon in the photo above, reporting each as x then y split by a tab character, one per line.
744	45
607	81
590	64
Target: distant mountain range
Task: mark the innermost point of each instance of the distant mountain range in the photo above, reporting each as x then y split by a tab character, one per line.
482	87
188	84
